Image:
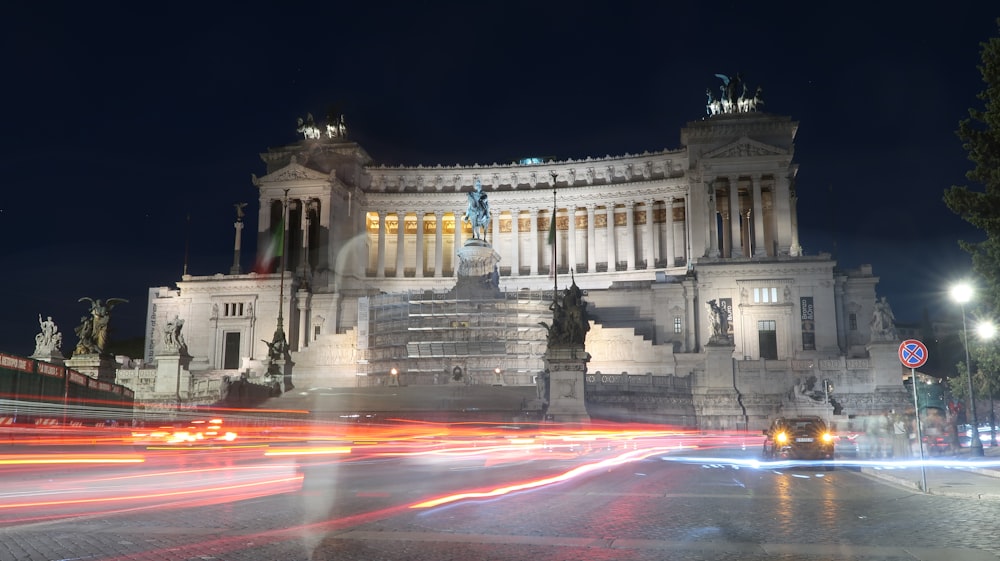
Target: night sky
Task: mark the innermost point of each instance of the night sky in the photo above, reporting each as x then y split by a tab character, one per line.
121	124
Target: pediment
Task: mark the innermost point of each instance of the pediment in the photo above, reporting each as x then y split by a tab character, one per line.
294	171
746	147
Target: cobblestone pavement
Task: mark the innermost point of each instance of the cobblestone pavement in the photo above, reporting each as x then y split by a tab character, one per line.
652	509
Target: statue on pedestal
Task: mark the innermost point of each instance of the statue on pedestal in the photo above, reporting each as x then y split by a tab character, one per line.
477	211
570	322
173	339
716	319
883	324
49	340
93	330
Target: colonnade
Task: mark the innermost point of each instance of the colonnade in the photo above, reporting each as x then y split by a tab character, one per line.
754	223
655	240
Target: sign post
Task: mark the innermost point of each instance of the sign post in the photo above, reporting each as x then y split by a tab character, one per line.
913	354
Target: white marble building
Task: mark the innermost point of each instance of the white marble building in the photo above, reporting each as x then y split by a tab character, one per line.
650	237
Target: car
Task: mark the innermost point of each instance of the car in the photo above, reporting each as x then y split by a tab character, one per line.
846	445
985	435
798	438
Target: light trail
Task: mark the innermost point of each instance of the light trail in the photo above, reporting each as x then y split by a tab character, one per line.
621	459
55	459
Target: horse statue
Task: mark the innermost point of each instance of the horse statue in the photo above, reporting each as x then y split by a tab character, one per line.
477	212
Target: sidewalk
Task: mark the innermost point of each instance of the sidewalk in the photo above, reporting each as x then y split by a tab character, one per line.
951	476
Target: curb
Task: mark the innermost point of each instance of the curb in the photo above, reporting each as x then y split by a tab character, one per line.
916	484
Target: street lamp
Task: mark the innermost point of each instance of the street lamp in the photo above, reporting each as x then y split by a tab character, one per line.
987	330
962	293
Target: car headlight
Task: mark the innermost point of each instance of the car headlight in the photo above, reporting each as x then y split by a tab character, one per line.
827	437
781	438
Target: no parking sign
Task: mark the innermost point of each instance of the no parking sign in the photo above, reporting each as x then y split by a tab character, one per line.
912	353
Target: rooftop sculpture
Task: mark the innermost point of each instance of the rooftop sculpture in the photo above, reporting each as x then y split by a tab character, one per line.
93	329
733	97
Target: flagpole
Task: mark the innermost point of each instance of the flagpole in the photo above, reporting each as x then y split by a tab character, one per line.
555	240
281	268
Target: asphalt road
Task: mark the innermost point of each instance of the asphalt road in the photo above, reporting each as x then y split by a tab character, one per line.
241	506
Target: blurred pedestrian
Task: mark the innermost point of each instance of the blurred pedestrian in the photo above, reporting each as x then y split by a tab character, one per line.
900	438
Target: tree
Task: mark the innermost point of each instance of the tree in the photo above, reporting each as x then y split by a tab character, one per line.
980	135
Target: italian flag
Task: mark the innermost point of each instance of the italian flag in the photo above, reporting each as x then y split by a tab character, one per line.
267	260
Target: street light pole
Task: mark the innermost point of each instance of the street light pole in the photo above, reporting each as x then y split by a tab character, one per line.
986	330
962	293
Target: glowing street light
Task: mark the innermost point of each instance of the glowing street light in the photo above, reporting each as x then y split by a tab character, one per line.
962	293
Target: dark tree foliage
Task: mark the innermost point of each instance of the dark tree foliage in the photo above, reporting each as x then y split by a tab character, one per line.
980	135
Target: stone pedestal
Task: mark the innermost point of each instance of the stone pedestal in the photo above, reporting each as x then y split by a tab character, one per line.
887	371
476	258
567	368
51	357
95	366
806	407
477	277
889	392
718	368
713	394
172	375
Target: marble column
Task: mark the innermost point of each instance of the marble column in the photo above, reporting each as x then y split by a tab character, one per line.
759	249
400	244
713	221
571	244
735	240
591	240
782	215
515	243
304	265
689	308
380	261
612	255
727	234
438	243
630	235
795	249
495	229
420	245
649	253
457	244
533	226
687	244
326	240
668	223
302	303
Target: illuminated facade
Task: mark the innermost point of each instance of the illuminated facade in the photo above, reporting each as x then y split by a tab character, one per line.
651	238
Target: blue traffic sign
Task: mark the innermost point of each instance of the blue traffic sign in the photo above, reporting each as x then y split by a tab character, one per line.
912	353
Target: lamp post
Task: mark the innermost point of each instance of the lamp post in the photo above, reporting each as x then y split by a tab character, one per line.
962	293
987	330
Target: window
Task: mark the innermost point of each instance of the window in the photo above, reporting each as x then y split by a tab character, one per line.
677	324
233	309
767	295
768	339
853	321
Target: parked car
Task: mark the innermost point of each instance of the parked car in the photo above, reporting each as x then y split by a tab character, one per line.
798	438
984	435
846	445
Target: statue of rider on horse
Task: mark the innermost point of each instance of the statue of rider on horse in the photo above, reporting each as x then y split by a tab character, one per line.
477	212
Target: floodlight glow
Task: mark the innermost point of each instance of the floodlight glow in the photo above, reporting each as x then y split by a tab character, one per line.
961	292
986	330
